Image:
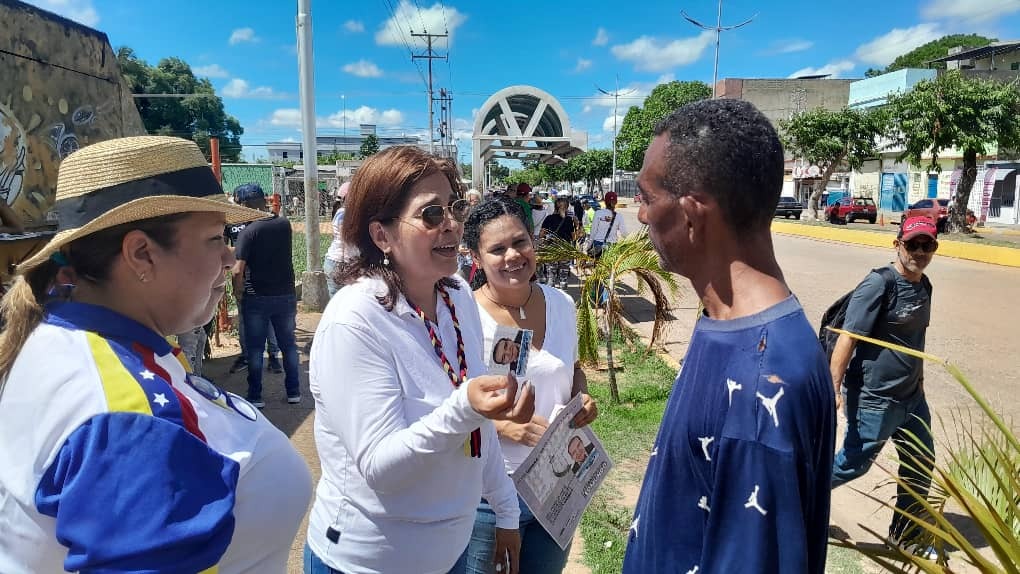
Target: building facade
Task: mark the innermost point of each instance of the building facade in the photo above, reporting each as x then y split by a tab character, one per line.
349	144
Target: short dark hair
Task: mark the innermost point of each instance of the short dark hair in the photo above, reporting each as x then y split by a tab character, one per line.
729	150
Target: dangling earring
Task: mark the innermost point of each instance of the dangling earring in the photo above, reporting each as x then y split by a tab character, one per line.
142	277
386	259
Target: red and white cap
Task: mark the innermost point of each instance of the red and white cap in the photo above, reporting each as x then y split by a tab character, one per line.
917	226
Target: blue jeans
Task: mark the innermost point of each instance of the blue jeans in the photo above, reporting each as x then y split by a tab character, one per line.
315	565
329	269
870	424
272	348
539	552
258	312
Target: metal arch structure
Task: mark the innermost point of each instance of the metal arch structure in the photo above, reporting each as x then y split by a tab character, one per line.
522	122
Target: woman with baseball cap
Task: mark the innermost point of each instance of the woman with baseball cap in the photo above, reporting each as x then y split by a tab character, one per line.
115	457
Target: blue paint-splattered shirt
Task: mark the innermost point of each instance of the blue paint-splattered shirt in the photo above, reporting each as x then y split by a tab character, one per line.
739	476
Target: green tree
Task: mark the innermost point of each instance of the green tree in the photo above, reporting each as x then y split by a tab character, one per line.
829	139
197	118
592	167
920	56
954	112
636	131
465	168
369	146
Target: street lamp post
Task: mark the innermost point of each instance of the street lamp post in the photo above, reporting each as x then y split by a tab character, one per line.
616	118
718	29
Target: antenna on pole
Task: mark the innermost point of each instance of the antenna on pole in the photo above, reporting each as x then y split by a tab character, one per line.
718	29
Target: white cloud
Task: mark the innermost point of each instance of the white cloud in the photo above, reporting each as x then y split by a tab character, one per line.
971	10
436	19
607	124
238	88
354	26
582	65
363	115
241	35
287	117
363	69
832	69
886	48
790	46
587	108
211	71
656	55
601	37
665	79
81	11
289	139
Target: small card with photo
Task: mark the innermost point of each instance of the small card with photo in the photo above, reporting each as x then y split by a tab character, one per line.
508	350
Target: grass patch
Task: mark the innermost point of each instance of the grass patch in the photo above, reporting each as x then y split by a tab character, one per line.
299	256
627	430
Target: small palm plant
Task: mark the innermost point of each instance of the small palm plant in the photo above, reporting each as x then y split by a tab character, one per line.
979	475
632	255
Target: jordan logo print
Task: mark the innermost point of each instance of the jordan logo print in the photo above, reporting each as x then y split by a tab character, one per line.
731	386
752	502
770	404
705	441
703	504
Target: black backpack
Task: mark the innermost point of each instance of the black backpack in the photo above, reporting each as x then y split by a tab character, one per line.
835	315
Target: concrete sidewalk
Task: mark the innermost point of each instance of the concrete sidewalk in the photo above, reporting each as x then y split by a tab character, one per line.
1006	256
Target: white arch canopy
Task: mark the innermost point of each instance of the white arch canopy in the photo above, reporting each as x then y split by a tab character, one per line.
522	122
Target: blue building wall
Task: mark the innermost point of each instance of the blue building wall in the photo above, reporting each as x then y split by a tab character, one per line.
873	92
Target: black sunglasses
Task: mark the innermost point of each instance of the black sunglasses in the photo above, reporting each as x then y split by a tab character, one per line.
916	245
434	215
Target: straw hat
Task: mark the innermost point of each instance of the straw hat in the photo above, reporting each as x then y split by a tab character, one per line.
130	179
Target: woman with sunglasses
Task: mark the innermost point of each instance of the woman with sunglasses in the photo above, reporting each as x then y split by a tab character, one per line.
497	233
403	407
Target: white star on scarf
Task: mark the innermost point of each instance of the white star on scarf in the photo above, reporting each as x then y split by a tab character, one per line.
160	399
147	375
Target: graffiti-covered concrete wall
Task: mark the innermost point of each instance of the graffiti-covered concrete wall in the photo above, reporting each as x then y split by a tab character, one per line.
60	89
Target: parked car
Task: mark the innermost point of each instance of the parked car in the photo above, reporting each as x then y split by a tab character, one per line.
848	210
935	209
789	207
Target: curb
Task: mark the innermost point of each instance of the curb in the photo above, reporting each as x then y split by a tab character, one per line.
1005	256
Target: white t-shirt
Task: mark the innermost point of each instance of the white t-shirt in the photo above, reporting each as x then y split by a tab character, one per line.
391	431
113	458
550	370
600	230
538	216
338	250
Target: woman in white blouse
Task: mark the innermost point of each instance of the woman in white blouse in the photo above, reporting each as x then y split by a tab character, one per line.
402	403
497	234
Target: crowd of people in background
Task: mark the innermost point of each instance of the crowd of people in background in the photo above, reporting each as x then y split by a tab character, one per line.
137	462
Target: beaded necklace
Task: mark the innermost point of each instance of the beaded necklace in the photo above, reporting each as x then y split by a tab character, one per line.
473	446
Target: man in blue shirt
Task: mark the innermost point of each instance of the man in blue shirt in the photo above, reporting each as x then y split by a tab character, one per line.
739	476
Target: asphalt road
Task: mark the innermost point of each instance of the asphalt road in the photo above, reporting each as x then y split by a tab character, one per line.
975	316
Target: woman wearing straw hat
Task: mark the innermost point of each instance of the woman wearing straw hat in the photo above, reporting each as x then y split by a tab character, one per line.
402	402
114	457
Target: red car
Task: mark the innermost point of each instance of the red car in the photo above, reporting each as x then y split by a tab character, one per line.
935	209
850	209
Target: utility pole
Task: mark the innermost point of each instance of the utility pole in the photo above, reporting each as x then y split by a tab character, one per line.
313	283
428	55
718	29
445	100
616	116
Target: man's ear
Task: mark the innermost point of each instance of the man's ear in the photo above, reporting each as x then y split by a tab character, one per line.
694	216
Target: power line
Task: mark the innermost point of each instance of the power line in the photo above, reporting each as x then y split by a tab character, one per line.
403	38
429	56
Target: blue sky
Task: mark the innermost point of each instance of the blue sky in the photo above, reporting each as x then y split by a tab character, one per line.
247	49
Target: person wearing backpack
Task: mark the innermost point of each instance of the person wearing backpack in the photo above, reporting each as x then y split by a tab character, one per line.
883	389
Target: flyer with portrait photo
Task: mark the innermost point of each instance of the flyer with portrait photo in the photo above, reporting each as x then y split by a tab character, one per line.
508	350
561	475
